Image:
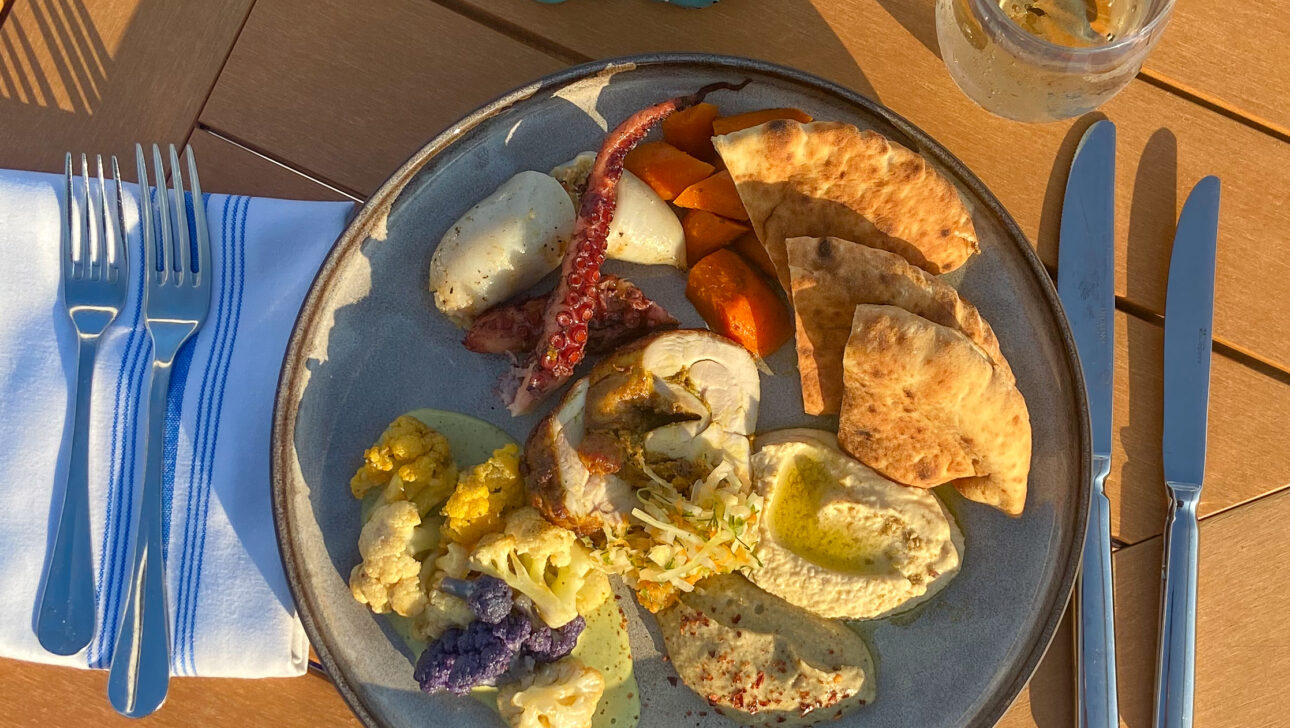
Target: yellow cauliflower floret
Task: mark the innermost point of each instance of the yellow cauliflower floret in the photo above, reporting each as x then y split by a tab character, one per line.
389	577
483	496
411	462
544	562
560	694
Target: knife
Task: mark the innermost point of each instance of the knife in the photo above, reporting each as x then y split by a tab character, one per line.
1086	284
1189	317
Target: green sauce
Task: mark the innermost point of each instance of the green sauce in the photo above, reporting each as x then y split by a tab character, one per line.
403	628
472	439
604	646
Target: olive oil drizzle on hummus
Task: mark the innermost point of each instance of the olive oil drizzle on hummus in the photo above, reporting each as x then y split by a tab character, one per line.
802	518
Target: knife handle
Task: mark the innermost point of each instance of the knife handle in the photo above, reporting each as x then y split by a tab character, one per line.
1096	698
1176	667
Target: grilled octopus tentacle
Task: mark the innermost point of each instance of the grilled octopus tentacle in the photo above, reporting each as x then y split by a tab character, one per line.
561	343
623	312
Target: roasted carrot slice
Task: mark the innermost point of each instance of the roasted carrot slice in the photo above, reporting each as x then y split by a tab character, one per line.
737	302
727	124
665	168
690	130
716	194
705	232
754	252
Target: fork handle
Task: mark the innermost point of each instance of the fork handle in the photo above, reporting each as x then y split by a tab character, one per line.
140	672
65	617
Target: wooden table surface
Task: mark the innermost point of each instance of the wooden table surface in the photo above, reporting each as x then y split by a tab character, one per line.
321	99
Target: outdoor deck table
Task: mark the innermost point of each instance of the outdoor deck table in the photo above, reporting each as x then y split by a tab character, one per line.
321	99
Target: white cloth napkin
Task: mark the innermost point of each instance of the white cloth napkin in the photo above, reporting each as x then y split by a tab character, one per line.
231	612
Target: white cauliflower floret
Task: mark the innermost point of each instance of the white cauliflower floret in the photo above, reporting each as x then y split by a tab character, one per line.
544	562
442	610
560	694
391	543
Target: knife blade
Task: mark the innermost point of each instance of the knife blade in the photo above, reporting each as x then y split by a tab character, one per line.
1189	317
1086	285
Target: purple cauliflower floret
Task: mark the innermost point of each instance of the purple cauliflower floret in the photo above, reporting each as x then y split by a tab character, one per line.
462	659
545	644
488	597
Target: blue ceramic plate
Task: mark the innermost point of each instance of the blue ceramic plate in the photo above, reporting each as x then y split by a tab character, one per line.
370	345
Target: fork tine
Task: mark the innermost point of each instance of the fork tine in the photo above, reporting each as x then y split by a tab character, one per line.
119	260
69	265
83	227
145	210
100	221
181	218
165	253
199	220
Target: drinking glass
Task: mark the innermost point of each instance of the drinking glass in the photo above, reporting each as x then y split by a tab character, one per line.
1042	60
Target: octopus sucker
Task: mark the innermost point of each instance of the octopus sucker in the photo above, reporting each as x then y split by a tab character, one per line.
548	366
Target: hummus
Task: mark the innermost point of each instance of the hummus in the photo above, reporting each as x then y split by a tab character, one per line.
839	539
762	661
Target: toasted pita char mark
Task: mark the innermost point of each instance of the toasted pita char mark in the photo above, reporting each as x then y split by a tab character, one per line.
829	178
831	276
924	405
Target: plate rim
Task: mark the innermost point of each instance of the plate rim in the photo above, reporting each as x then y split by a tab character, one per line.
377	206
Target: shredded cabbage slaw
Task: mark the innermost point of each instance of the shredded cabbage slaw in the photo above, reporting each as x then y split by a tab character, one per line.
676	540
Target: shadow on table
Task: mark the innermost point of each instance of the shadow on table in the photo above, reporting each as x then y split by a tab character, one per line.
919	18
1151	227
60	83
1052	687
789	32
51	56
1152	221
1050	215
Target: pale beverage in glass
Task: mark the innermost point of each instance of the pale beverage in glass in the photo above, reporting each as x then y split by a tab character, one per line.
1041	60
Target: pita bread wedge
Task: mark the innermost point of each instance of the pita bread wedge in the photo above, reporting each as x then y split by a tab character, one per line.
924	405
828	178
831	276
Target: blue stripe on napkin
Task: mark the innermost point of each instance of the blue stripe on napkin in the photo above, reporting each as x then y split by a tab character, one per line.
178	660
205	434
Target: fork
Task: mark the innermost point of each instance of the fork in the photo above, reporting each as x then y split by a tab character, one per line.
94	288
176	299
